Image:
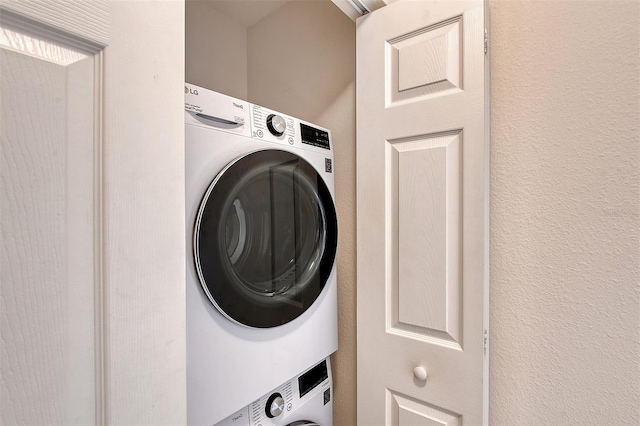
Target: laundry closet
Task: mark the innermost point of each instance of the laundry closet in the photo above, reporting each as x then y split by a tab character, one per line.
297	58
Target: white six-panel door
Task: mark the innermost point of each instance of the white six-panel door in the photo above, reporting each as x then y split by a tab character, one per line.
92	213
422	181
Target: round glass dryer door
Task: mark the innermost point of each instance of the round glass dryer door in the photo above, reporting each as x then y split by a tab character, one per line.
265	238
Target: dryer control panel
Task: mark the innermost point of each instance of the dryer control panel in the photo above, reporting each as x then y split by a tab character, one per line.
271	125
314	136
274	126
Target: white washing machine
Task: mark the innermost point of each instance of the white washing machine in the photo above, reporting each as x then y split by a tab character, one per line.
304	400
261	233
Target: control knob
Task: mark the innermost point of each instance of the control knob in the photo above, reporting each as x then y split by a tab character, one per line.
276	125
275	405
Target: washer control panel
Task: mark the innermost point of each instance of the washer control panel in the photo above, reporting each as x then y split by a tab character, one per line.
279	406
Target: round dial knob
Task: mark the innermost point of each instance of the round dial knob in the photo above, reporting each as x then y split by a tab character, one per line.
276	125
275	405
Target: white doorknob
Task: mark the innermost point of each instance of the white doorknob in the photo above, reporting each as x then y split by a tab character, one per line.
420	373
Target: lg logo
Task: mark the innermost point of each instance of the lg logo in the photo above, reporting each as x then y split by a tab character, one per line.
190	91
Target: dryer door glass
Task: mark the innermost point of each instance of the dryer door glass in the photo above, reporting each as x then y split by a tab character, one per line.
265	238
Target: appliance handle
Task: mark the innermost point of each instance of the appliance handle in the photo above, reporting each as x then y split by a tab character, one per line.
219	120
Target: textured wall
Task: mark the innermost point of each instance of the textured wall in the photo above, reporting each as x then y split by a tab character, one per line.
340	118
215	50
565	343
314	79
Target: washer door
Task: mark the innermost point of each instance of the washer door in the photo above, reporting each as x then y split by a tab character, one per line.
265	238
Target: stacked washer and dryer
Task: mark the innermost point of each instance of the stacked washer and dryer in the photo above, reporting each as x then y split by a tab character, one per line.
261	233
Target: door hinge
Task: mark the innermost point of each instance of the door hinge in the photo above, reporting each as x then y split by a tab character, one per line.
486	341
486	41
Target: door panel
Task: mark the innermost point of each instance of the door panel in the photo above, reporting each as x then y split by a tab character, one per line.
48	228
426	175
92	213
404	410
422	223
426	62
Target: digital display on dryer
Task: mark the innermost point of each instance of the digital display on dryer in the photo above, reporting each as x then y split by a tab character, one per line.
313	378
316	137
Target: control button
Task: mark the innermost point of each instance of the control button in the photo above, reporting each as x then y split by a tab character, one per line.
275	405
289	407
328	165
260	133
276	125
327	396
290	141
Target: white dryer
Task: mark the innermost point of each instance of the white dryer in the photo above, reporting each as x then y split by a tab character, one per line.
304	400
261	233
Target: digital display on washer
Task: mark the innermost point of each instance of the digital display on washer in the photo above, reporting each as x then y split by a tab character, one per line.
315	137
312	378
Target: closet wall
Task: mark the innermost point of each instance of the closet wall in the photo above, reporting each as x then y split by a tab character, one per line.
215	50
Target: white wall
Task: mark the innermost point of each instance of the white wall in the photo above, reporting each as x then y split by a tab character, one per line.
215	50
565	179
314	79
